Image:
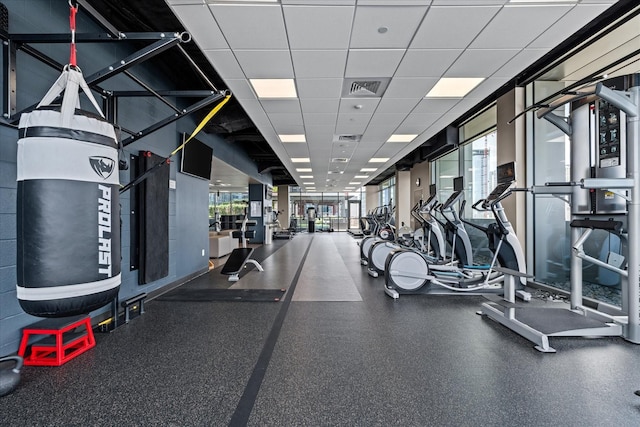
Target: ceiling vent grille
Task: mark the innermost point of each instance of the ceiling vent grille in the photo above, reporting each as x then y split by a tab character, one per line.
365	88
347	138
339	160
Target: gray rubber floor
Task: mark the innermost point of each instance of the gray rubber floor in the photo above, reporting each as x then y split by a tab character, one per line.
336	351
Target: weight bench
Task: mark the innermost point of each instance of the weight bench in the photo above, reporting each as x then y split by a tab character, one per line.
237	260
240	257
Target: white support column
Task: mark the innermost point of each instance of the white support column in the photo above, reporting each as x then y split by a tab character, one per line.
511	146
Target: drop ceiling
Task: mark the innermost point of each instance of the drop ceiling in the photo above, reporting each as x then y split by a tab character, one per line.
362	69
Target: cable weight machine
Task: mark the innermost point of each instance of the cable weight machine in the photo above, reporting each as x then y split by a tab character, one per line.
604	194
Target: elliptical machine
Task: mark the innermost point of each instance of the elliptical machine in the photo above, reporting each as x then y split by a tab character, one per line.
409	272
382	230
434	246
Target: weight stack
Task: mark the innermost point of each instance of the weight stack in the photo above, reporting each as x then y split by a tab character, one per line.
68	209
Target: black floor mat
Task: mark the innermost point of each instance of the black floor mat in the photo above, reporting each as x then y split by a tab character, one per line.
206	295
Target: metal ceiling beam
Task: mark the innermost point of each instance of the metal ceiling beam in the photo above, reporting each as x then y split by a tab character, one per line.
85	37
195	107
137	57
174	93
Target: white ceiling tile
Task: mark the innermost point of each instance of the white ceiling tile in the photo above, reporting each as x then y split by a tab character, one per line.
252	26
319	63
520	62
352	123
416	123
373	62
391	120
376	134
342	149
297	150
400	23
469	2
328	119
452	27
225	64
281	106
319	134
409	87
320	154
185	2
395	3
486	88
319	88
240	89
397	105
319	2
480	62
569	24
349	106
427	62
318	27
284	123
517	26
314	105
390	150
435	105
202	27
265	64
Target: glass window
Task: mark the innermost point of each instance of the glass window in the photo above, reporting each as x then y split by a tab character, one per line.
552	242
331	209
479	160
445	169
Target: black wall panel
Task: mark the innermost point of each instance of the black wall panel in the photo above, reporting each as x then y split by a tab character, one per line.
153	220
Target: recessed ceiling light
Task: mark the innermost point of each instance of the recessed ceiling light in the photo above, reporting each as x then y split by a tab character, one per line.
349	188
303	169
242	1
543	1
292	138
401	138
362	176
300	159
274	88
309	183
306	176
355	183
379	160
368	170
454	87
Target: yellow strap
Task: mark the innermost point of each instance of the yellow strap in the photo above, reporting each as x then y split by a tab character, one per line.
202	123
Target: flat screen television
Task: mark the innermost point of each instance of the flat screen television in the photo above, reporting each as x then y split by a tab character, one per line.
196	159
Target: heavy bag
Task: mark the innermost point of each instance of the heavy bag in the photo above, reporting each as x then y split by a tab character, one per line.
68	222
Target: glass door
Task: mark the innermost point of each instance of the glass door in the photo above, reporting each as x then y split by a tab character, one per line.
354	214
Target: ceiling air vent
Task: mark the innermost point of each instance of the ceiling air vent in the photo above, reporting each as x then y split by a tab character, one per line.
347	138
364	88
339	160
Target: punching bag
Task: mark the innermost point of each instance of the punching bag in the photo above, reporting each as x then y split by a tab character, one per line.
68	209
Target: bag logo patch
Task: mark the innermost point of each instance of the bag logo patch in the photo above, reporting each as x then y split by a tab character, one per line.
103	166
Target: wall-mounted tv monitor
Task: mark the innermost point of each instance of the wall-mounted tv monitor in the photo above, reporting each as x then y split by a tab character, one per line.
196	159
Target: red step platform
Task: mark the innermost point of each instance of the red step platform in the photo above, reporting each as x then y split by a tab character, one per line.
66	338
